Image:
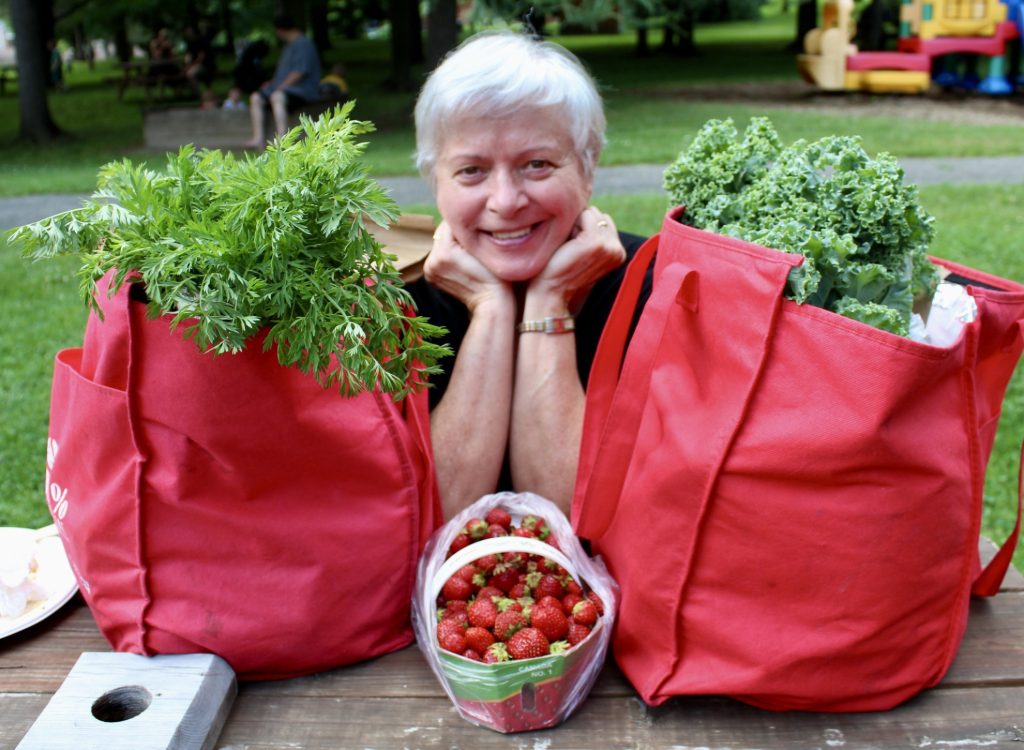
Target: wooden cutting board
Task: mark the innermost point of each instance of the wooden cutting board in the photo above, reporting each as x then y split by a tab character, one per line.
410	238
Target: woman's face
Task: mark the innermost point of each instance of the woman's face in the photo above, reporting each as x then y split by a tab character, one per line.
511	189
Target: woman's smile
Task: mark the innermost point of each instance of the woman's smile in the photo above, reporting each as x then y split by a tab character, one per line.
511	189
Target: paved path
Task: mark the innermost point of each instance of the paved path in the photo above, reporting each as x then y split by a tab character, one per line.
624	180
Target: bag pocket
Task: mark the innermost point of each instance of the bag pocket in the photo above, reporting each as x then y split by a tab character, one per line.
91	487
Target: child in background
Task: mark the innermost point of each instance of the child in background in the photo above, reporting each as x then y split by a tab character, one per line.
235	99
208	100
333	86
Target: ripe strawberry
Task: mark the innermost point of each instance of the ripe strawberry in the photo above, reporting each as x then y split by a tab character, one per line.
518	591
466	572
460	541
517	560
471	654
504	578
525	533
569	601
537	525
577	633
494	531
549	585
482	612
528	643
585	613
459	617
551	621
571	587
507	623
456	588
499	516
489	592
451	636
487	563
592	596
479	639
496	653
458	605
550	601
476	528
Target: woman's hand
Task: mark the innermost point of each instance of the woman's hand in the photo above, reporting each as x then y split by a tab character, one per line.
592	251
453	270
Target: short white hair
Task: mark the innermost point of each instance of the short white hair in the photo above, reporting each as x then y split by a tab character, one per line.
500	73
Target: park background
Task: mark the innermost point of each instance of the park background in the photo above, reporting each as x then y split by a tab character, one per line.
664	67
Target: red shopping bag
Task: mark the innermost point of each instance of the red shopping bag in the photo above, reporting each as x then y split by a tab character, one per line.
790	500
231	505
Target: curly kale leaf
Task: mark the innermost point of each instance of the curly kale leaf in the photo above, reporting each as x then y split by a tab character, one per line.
861	230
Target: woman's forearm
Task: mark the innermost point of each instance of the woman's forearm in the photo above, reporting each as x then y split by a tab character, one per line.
547	409
470	426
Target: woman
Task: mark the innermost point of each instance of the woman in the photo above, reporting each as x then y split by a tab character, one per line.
522	272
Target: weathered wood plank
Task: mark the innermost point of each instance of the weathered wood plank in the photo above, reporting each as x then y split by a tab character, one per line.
958	718
39	660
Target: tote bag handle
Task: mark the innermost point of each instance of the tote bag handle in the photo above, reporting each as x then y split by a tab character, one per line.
991	578
596	496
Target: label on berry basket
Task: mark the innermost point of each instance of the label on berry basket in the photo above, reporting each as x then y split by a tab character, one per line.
476	681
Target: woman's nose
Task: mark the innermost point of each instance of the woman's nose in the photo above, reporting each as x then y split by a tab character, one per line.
507	195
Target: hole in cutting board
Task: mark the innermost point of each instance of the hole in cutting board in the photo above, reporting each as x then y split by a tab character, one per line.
121	704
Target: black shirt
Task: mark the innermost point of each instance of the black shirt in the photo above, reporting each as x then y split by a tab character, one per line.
445	310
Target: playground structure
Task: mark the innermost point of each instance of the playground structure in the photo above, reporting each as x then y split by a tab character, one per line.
935	35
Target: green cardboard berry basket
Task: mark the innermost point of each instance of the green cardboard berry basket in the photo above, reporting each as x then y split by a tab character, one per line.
523	695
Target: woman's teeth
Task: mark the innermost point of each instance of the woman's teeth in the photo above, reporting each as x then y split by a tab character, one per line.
511	235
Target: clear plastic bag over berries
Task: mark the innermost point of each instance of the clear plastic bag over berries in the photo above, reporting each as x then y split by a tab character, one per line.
512	615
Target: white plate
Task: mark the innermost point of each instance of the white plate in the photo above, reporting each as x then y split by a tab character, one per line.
53	574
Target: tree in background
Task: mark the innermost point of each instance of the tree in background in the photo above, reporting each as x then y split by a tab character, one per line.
33	26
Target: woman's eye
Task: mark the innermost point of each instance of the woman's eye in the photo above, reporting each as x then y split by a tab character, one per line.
536	164
469	172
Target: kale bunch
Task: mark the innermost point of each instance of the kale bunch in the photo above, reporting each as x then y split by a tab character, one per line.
230	247
861	230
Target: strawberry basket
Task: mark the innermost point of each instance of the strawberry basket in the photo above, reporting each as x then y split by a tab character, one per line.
541	659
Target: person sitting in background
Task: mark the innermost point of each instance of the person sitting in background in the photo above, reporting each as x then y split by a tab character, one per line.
333	86
208	100
199	60
296	82
523	270
161	55
248	72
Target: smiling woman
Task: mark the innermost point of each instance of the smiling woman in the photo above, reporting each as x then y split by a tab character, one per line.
523	271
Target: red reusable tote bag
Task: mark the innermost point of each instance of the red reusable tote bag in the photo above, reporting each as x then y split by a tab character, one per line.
789	499
230	505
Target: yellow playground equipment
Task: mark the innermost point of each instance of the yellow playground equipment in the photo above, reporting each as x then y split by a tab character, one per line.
928	29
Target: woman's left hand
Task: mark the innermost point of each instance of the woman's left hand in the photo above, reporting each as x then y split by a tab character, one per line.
592	251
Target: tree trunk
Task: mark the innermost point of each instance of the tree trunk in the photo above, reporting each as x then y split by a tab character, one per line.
318	19
416	33
29	20
442	32
401	43
122	46
227	23
806	19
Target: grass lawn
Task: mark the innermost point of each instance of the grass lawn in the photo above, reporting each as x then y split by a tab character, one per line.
43	313
648	122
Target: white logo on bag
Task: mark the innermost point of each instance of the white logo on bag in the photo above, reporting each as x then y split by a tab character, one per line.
56	496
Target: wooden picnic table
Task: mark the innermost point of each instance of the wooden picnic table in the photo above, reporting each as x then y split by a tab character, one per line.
395	702
169	80
8	74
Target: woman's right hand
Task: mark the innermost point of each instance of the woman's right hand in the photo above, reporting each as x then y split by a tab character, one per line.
453	270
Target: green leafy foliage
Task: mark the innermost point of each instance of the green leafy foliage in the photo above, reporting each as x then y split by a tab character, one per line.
862	231
230	247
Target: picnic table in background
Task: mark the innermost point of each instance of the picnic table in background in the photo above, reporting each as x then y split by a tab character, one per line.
8	74
168	80
395	701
